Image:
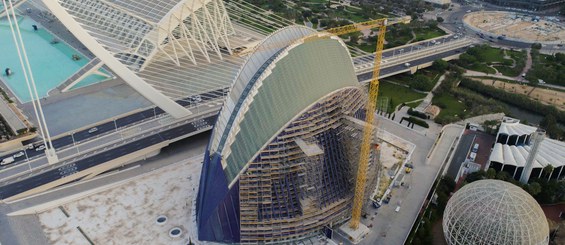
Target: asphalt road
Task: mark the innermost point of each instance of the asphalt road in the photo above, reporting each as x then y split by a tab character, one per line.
389	53
402	67
104	128
460	155
82	164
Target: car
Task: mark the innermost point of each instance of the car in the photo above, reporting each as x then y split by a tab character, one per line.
407	64
407	170
28	147
195	98
7	161
472	156
40	148
409	165
92	130
397	209
475	147
19	154
468	11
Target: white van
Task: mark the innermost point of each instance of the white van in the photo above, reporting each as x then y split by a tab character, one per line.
7	161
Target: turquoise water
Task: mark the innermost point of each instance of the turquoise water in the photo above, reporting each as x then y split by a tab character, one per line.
51	64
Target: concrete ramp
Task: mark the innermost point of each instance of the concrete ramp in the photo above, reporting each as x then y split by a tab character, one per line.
90	68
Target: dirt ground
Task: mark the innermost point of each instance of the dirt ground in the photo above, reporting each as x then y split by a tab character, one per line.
518	26
545	96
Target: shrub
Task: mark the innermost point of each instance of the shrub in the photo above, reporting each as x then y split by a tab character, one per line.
419	114
416	121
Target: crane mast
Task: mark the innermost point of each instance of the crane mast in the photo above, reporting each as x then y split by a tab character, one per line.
370	107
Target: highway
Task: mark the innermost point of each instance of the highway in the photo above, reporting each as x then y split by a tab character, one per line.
102	157
366	76
60	142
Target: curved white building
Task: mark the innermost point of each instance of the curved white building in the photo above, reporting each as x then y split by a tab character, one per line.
494	212
282	156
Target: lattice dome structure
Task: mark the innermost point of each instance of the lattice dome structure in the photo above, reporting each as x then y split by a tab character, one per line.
494	212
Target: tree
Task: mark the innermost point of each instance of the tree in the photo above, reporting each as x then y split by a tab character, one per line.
491	173
440	65
533	188
536	46
422	83
439	19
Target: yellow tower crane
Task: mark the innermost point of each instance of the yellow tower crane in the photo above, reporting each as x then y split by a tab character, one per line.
370	108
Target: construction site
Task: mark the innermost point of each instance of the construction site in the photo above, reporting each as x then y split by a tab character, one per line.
294	152
517	26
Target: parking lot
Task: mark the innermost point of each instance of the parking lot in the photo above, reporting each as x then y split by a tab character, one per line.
464	149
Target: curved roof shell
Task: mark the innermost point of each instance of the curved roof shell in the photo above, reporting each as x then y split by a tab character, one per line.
511	126
299	68
551	152
494	212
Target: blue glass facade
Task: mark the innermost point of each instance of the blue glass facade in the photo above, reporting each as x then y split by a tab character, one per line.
217	206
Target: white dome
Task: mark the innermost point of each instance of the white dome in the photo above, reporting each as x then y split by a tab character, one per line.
494	212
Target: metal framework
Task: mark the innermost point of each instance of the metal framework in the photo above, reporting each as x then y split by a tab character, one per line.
167	50
494	212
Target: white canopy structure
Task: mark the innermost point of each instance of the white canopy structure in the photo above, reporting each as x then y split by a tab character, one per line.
512	148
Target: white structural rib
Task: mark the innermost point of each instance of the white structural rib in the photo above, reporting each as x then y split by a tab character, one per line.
117	67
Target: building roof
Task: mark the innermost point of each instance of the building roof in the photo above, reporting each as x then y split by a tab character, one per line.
550	152
291	70
511	126
494	212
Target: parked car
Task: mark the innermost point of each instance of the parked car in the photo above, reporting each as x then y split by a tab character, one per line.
19	154
40	148
7	161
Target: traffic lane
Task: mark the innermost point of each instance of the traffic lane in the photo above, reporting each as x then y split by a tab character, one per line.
387	53
368	75
49	176
106	127
100	129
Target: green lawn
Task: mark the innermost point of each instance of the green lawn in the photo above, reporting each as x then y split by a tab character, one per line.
398	94
449	105
428	33
519	58
487	53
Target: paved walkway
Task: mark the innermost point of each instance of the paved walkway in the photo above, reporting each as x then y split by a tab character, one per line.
389	226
